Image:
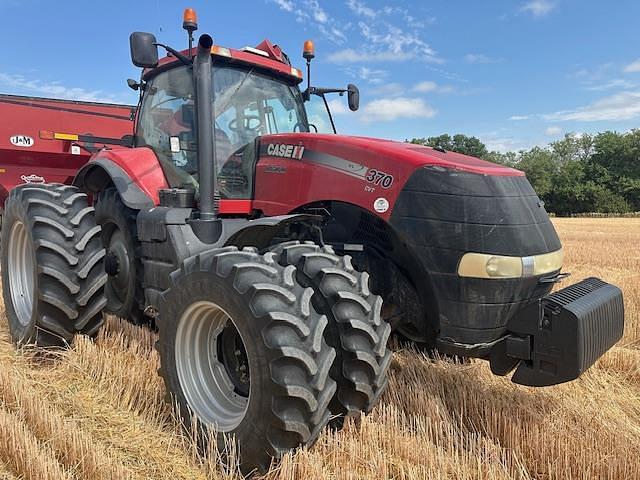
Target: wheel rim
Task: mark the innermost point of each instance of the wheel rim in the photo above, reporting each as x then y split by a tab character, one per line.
118	267
21	275
208	366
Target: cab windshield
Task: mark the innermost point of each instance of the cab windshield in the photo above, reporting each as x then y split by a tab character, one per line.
247	104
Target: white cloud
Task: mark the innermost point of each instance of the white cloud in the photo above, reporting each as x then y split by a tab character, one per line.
349	55
398	41
612	84
389	109
310	12
338	107
429	86
371	75
553	131
364	11
479	58
538	8
318	14
286	5
519	118
633	67
56	89
425	87
361	9
332	33
497	143
621	106
386	33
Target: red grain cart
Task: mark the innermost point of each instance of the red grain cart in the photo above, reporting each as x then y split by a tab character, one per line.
41	139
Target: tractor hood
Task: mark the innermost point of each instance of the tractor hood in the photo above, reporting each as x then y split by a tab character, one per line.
367	172
406	155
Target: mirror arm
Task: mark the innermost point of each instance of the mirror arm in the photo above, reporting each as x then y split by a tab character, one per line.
326	104
175	53
324	91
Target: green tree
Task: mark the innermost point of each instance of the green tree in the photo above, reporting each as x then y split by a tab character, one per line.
540	167
619	153
458	143
572	147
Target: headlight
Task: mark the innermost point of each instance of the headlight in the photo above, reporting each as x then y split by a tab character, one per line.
482	265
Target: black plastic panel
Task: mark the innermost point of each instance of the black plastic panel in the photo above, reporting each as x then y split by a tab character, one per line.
441	214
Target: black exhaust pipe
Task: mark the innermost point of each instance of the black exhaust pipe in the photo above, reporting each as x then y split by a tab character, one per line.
206	149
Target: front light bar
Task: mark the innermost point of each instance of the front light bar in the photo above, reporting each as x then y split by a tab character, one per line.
483	265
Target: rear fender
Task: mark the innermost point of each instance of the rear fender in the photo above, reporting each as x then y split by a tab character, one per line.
135	172
168	239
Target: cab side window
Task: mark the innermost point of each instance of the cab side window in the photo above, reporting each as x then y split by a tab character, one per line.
167	125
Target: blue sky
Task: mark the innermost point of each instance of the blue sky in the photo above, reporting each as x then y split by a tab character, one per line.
515	73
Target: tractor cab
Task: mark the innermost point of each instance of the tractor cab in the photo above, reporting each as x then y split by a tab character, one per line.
255	93
248	102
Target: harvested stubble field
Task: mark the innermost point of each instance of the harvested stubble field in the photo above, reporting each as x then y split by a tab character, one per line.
97	410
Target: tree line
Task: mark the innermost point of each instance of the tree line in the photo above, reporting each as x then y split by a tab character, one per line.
578	174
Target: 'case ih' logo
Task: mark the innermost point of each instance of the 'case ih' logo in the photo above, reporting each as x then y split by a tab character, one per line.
285	151
21	141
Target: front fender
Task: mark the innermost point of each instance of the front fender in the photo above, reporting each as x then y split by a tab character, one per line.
135	172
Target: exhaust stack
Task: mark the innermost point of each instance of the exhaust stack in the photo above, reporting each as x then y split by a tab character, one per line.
207	161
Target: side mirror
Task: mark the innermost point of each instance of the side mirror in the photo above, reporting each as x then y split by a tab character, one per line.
144	51
353	96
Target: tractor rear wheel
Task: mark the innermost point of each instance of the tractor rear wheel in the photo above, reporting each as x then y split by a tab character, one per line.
123	261
52	265
243	352
356	329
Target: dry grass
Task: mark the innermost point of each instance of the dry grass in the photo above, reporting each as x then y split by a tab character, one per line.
97	410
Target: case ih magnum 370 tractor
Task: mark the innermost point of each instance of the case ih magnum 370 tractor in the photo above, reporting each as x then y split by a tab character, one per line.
263	250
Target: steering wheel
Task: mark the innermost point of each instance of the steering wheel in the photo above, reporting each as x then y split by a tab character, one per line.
246	120
298	127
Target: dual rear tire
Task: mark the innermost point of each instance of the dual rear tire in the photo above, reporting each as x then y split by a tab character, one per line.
307	345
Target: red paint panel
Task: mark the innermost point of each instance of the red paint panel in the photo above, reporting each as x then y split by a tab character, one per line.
246	58
283	184
235	207
142	166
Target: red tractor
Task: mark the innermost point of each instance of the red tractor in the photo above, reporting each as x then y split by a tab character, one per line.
262	250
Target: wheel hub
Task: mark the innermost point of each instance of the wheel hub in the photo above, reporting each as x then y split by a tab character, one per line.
117	264
234	358
111	264
21	266
212	366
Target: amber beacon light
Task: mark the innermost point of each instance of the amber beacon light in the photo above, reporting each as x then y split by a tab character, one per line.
189	19
309	50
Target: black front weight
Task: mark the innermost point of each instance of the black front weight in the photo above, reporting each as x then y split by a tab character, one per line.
557	338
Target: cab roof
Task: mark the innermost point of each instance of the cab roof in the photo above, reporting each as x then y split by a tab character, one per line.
265	56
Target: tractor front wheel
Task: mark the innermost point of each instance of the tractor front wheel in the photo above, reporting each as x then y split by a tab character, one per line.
243	352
